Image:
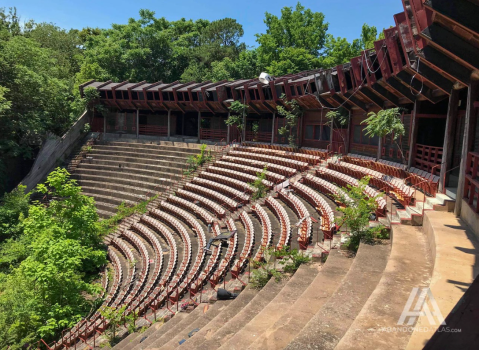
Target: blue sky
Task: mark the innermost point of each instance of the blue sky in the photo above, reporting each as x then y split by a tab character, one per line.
344	16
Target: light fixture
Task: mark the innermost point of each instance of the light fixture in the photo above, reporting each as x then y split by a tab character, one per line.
265	78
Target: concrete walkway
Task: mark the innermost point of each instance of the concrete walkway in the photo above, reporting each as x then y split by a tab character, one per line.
455	253
409	266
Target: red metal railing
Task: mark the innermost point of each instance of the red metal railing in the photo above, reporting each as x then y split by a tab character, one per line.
259	136
213	134
154	130
427	157
471	183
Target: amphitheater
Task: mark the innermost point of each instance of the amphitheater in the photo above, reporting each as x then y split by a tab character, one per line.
426	190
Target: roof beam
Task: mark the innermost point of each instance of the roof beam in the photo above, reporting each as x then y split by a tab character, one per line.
418	86
356	101
341	102
370	95
433	76
461	12
456	46
396	85
386	94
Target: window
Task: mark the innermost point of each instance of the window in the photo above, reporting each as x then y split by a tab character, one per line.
359	136
318	132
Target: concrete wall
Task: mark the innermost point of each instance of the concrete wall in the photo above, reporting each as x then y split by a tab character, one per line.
470	217
54	150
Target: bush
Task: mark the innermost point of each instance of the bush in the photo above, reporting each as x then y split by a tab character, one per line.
292	259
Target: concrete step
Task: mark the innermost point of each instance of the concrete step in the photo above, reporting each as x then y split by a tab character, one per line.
281	332
160	145
326	328
216	338
229	312
145	164
275	310
115	187
165	152
107	199
115	195
175	162
121	181
128	171
409	266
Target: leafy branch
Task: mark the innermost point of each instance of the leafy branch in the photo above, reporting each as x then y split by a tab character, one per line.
237	114
261	188
291	112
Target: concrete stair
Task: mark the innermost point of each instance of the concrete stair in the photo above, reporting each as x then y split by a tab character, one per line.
409	266
280	333
330	323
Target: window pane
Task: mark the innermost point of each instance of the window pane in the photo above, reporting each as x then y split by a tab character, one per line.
309	132
317	133
326	133
374	141
357	134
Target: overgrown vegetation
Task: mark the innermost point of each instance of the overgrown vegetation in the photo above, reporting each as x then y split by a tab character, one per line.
196	161
291	111
238	112
50	257
290	260
338	119
255	129
258	184
385	122
356	215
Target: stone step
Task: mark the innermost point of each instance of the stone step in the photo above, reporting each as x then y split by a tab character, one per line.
114	187
112	149
326	328
275	310
121	181
409	266
160	145
145	164
280	333
128	171
107	199
218	337
228	313
175	162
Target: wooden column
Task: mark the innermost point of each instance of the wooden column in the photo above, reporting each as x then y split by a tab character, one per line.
380	145
273	127
137	123
467	143
169	124
243	137
228	131
199	125
447	152
412	141
183	125
348	135
104	125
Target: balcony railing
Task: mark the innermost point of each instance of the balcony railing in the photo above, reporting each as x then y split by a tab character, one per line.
260	137
213	134
153	130
428	157
471	183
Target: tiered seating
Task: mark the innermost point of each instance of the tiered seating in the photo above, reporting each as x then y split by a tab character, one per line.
125	250
196	285
232	204
267	232
193	208
237	175
322	153
145	263
303	215
344	180
403	193
240	196
104	283
327	188
248	245
230	252
300	157
427	182
279	169
273	177
212	206
228	181
117	277
327	213
296	164
280	213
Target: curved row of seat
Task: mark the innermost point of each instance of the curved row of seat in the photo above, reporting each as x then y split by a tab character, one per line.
213	195
303	215
344	180
224	189
237	175
271	176
185	204
291	163
403	193
104	282
125	250
327	188
279	169
229	255
267	231
214	207
117	277
280	213
247	247
299	157
322	153
228	181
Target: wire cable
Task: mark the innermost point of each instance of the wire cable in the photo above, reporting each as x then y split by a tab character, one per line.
414	76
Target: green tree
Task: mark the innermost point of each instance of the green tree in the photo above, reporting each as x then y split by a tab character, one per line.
338	51
259	185
291	111
237	117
